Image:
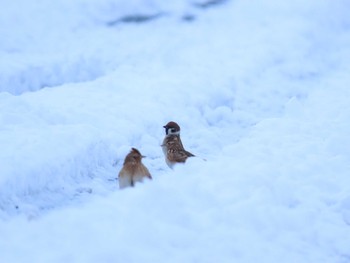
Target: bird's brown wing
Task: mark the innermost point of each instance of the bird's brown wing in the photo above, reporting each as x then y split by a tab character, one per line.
175	149
146	172
177	155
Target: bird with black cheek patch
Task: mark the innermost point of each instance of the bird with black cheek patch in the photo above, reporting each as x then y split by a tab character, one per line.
133	170
173	149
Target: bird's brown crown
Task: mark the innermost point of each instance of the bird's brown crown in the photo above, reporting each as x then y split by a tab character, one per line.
135	151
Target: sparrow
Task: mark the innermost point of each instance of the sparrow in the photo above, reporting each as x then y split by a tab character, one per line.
173	149
133	170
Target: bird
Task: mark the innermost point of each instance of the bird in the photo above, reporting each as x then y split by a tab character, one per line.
173	149
133	170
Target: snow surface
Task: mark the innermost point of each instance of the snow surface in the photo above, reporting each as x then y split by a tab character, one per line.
260	89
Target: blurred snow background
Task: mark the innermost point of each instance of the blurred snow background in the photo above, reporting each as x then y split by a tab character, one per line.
260	89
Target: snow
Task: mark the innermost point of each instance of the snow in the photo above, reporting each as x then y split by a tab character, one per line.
259	89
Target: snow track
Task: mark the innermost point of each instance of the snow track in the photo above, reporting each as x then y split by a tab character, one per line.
21	73
48	60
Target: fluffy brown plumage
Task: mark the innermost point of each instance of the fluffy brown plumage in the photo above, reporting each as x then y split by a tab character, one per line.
133	170
173	149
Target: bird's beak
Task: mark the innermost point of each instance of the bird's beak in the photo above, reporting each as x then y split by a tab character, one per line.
142	156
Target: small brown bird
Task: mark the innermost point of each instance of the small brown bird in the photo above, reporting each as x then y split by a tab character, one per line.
133	170
173	149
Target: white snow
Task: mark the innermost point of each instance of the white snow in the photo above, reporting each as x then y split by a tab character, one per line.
259	88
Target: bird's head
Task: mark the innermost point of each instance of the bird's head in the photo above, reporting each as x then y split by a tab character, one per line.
172	128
